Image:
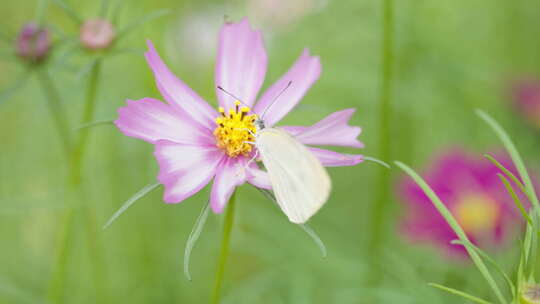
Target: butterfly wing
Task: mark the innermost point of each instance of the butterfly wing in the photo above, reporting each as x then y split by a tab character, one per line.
300	182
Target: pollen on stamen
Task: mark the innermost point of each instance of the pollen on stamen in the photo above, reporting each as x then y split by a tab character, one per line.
234	130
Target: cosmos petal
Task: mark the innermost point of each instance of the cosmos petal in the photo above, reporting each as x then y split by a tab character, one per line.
305	71
185	169
334	159
241	63
177	93
230	174
257	177
332	130
152	120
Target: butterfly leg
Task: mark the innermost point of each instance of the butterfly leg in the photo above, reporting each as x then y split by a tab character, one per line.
253	158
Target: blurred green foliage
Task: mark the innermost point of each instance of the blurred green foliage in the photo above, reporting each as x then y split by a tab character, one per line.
451	57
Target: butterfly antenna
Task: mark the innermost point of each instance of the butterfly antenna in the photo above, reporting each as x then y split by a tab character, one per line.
230	94
276	98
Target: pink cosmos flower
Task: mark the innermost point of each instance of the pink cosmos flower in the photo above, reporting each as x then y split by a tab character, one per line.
469	186
194	143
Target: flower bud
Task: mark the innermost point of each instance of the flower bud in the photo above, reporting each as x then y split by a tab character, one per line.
530	294
97	34
33	43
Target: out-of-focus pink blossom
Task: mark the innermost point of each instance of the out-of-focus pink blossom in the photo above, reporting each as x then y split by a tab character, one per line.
96	34
33	43
469	186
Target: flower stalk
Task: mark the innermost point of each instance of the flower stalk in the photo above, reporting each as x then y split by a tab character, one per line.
88	116
224	252
385	95
55	107
76	155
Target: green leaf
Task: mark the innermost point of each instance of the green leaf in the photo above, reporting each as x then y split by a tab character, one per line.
456	227
460	293
515	198
486	257
194	236
137	196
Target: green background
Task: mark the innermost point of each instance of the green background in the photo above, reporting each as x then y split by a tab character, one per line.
450	58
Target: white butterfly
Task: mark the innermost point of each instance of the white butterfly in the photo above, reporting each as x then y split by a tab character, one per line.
300	183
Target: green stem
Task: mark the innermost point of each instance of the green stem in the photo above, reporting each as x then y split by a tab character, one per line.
55	108
377	218
88	117
56	290
79	150
224	253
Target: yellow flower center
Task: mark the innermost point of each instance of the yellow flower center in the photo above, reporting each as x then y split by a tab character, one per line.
477	213
235	130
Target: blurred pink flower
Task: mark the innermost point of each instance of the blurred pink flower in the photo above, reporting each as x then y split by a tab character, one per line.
469	186
33	43
283	13
195	143
96	34
526	95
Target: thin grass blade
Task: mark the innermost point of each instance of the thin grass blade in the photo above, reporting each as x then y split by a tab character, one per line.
492	262
193	237
515	198
507	173
460	293
516	157
456	227
137	196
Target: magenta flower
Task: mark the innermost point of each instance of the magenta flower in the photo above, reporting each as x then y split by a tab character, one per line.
472	191
195	143
526	95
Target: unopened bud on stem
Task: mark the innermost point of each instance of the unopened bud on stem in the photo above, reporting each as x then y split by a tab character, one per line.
97	34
